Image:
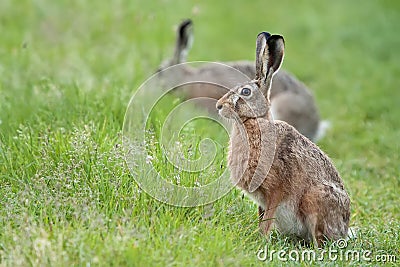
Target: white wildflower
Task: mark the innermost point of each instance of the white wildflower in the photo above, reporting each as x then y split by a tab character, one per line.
149	159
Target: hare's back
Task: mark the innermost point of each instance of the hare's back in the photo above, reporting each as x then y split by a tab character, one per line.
298	152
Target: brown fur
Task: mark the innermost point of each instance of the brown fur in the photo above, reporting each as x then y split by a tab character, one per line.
302	191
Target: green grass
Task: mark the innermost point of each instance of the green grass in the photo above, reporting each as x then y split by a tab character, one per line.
68	70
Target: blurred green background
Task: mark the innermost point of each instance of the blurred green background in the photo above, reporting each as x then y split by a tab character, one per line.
68	70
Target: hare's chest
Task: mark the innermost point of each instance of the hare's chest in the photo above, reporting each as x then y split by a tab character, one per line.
243	158
237	162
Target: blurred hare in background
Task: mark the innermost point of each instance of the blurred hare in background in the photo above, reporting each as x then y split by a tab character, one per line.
291	101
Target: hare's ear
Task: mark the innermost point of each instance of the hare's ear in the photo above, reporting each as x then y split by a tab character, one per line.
184	41
269	57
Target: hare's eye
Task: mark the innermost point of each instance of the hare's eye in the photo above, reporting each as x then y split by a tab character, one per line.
245	91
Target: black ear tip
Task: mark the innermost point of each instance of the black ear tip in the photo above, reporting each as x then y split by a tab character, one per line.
185	23
265	34
274	38
184	28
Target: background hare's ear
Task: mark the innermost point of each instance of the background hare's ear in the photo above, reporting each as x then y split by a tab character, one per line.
269	57
184	41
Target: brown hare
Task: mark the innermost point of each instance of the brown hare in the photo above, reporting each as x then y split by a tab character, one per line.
291	101
294	183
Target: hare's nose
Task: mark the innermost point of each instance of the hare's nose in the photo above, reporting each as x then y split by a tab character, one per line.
219	106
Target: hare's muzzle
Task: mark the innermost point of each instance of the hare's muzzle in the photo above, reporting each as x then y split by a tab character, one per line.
220	104
224	108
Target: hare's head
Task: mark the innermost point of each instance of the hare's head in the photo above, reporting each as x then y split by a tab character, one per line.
251	100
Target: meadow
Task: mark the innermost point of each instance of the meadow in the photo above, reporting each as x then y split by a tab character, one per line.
67	72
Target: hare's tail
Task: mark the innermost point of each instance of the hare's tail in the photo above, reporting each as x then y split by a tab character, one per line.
323	127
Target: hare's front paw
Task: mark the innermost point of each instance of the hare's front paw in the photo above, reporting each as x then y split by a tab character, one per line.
265	226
